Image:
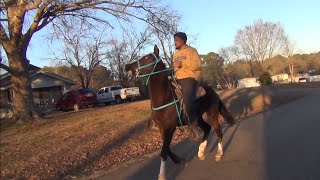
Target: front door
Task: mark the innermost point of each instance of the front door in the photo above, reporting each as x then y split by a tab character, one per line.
101	96
108	94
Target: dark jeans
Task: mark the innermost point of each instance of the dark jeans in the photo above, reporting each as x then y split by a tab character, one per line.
188	88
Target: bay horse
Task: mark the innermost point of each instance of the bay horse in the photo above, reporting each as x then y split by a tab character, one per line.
164	110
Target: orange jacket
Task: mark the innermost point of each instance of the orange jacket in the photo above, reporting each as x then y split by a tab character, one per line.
191	63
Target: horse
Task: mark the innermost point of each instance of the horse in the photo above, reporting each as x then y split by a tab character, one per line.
164	108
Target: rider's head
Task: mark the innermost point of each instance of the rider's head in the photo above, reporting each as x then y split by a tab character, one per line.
180	39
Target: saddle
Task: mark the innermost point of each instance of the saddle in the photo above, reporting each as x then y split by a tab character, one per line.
200	91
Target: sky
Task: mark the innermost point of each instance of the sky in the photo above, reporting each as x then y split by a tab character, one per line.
215	23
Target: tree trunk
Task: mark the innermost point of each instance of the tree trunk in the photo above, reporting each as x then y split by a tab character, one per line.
120	71
290	68
251	66
24	109
291	71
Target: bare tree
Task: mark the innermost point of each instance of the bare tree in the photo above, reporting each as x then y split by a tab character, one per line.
229	55
117	58
260	41
164	29
101	77
127	49
137	42
21	19
83	51
289	51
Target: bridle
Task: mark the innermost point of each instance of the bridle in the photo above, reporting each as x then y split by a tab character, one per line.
153	72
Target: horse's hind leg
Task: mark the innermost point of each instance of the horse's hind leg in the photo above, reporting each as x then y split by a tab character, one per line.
217	129
206	130
226	114
176	159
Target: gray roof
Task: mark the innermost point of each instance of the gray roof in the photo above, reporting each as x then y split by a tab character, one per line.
5	79
53	75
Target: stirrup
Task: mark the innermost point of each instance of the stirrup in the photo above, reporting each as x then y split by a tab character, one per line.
194	133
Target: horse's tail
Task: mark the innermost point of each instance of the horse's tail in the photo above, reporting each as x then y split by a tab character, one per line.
221	107
225	113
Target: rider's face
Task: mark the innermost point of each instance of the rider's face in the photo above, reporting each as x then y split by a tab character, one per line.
178	42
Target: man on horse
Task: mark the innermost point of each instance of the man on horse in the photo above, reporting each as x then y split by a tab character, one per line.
187	67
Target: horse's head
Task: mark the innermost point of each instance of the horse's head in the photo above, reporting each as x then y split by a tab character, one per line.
146	65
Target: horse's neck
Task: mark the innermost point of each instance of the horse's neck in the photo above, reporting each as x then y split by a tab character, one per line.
159	90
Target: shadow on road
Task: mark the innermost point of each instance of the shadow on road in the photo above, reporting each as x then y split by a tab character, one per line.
242	103
185	149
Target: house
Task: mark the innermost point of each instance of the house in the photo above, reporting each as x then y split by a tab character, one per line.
47	87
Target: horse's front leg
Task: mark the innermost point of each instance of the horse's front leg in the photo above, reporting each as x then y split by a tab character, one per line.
165	151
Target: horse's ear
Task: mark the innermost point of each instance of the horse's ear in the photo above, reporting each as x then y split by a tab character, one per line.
156	50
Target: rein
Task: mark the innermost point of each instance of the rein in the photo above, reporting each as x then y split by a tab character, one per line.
154	67
153	72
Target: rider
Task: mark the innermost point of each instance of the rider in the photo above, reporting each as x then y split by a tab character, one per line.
187	67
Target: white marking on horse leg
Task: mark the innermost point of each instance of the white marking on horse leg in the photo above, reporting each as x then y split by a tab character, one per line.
205	116
202	148
219	152
162	173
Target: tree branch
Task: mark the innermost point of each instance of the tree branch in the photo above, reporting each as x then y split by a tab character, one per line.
34	5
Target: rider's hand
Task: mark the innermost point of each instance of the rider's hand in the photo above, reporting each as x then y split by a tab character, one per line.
177	64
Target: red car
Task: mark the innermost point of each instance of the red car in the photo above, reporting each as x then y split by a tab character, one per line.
76	99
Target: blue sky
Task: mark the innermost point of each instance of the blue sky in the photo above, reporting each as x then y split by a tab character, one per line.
216	23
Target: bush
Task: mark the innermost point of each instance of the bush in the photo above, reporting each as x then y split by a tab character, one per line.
265	79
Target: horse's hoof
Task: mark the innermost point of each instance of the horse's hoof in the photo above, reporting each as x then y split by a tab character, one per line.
218	158
194	139
162	177
194	136
201	157
183	163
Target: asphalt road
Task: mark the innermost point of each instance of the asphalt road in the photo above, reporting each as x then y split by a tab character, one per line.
282	143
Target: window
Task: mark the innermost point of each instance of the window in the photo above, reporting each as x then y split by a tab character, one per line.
85	91
101	91
115	88
64	97
106	90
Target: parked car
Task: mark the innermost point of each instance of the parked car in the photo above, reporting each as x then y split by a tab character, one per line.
302	79
117	94
248	82
76	99
314	78
6	110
